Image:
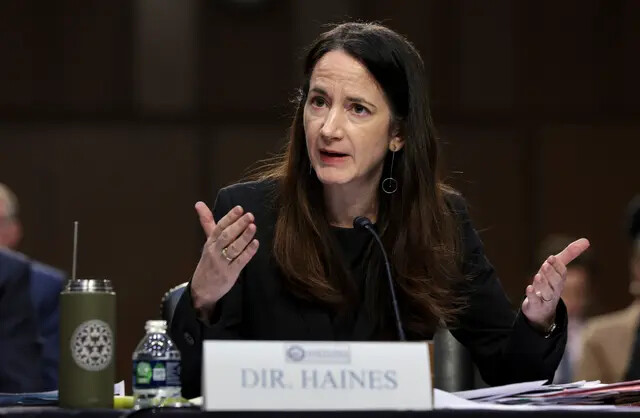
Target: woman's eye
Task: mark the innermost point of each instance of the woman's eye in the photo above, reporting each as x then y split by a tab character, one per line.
358	109
318	101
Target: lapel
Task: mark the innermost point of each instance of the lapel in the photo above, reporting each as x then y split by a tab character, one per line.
632	371
631	322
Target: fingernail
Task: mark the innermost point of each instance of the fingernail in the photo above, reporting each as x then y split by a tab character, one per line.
238	209
250	216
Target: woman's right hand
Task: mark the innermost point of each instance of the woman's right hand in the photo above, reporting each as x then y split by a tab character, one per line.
229	247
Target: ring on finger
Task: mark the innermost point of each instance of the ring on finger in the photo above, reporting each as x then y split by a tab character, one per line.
539	294
226	255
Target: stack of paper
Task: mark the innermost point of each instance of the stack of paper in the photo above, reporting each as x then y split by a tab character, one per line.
44	398
32	398
577	393
624	393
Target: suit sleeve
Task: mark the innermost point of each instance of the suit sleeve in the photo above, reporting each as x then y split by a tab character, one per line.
20	348
49	317
188	332
502	343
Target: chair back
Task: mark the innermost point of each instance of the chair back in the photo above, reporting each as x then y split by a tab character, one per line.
453	368
169	302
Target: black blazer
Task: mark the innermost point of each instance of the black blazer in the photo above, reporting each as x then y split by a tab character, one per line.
502	343
20	347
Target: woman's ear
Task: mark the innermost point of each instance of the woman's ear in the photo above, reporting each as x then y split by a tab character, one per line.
396	143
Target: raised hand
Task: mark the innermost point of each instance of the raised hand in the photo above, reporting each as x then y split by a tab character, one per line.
229	247
544	293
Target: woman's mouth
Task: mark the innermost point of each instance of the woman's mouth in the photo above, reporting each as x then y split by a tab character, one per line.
332	157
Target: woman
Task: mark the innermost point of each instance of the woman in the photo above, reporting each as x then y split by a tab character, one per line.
283	262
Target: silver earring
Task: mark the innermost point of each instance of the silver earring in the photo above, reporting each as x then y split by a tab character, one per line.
389	184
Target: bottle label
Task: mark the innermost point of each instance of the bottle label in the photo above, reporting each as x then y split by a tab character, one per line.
155	373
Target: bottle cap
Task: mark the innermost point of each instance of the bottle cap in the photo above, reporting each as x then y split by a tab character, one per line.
156	325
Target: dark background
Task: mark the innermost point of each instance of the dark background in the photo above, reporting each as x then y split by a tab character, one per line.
122	114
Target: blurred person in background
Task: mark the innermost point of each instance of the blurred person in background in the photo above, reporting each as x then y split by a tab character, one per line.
20	346
45	285
576	297
10	228
611	348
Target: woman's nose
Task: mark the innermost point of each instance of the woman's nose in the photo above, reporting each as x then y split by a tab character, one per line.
332	128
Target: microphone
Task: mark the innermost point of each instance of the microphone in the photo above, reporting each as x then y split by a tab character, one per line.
364	222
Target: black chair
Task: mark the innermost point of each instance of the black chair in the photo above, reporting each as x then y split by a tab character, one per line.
453	370
169	302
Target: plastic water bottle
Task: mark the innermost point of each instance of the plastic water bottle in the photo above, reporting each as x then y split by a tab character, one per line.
156	368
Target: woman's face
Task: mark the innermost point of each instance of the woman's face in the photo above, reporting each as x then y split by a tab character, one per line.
346	122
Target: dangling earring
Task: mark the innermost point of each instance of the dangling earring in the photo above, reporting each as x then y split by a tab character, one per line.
389	184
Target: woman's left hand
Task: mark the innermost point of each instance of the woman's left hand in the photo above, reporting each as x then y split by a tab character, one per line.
544	293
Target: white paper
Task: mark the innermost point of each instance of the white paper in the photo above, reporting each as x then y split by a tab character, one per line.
118	388
497	392
557	388
446	400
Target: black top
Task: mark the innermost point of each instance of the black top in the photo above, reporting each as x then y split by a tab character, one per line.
354	244
503	344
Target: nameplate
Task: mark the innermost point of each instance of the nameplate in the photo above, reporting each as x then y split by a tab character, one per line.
261	375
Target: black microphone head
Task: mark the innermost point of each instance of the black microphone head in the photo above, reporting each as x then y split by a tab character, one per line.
361	222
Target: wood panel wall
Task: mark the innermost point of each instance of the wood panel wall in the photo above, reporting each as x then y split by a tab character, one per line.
537	104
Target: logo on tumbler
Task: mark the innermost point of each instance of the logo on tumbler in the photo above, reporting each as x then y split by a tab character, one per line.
91	345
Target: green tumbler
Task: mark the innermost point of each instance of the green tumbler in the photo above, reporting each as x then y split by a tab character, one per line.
87	344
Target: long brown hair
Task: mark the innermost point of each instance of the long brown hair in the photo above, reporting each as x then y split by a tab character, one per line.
417	226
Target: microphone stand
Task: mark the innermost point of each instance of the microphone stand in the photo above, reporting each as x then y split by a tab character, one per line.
364	222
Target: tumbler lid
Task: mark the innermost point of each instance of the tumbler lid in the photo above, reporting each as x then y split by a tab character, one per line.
89	285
